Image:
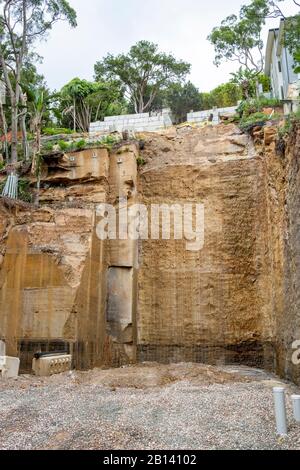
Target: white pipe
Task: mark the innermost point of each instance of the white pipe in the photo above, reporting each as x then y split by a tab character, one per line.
296	407
280	410
11	187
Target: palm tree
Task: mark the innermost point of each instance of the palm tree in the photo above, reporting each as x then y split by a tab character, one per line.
39	105
73	92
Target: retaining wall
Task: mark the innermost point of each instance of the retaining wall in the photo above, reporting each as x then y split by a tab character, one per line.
134	122
202	116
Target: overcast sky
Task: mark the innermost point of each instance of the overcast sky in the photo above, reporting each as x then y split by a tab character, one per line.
178	26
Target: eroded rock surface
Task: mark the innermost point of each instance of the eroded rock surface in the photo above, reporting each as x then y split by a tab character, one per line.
234	300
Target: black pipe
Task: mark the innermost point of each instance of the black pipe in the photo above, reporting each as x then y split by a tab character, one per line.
39	355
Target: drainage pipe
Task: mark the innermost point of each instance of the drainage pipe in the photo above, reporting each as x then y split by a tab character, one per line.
296	407
280	410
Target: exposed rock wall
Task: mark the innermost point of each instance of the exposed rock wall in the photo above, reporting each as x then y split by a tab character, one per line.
114	302
289	327
53	266
283	202
210	305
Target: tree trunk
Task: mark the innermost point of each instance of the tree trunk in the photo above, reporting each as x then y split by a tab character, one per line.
4	128
38	167
245	89
141	102
34	157
37	194
14	134
23	126
24	138
74	115
39	139
141	107
257	88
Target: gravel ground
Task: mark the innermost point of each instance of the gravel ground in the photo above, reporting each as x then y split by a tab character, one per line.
184	406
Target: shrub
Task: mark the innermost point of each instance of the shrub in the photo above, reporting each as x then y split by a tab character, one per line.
48	147
295	117
63	145
56	131
264	102
123	150
140	161
287	128
109	140
24	193
81	144
247	123
232	120
252	106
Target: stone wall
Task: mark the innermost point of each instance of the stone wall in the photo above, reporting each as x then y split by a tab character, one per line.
202	116
132	122
155	122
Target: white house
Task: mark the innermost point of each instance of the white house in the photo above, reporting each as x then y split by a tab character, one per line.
279	67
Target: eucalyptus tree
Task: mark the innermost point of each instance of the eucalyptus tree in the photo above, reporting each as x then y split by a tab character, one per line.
143	69
85	101
239	39
181	99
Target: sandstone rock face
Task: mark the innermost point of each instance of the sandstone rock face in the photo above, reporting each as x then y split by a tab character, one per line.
54	273
283	191
233	299
270	134
209	305
282	188
42	275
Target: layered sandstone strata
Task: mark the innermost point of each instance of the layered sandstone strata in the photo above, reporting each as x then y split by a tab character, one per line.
236	299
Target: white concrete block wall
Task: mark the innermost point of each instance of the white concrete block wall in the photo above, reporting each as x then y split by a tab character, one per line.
134	122
201	116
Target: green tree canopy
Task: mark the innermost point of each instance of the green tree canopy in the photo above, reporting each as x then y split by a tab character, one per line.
259	10
158	103
82	101
238	38
22	23
225	95
181	99
142	70
247	82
